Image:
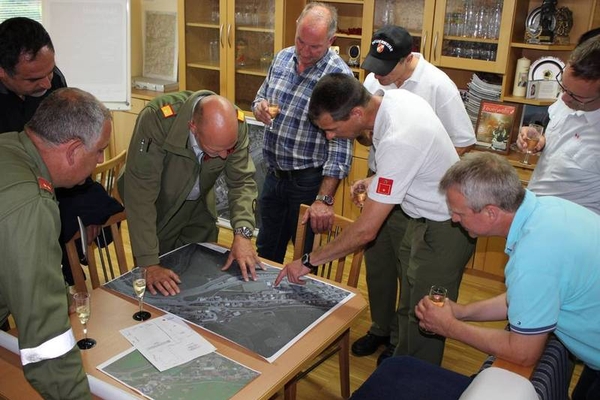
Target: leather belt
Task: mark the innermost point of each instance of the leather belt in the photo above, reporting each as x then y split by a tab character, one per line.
296	173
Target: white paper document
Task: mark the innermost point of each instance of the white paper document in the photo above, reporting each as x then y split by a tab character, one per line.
167	342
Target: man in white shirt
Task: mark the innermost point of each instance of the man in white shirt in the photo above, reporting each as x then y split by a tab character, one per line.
393	66
568	166
413	153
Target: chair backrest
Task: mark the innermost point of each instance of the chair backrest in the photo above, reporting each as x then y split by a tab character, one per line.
108	172
100	251
336	267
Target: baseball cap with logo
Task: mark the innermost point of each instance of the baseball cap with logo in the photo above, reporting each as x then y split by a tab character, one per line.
389	45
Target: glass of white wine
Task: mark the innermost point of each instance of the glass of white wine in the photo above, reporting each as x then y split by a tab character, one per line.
534	132
437	294
83	310
273	110
138	276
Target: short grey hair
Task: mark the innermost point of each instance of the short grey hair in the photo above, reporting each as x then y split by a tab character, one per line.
332	18
485	178
69	113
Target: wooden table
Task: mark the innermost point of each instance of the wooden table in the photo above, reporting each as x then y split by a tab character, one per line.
112	312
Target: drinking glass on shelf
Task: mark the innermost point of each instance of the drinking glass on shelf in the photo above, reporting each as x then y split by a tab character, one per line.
83	310
273	110
437	294
534	132
138	276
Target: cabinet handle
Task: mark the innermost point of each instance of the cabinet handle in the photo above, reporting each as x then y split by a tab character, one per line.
435	46
424	40
229	34
221	35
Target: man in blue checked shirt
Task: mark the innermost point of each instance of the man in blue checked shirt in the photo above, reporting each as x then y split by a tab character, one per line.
303	167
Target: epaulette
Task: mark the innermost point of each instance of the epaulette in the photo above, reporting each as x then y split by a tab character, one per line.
241	116
168	111
44	184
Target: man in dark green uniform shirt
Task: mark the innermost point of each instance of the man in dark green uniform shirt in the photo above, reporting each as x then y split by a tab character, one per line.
182	142
60	147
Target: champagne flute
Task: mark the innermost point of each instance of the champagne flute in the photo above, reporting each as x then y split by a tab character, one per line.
273	110
83	309
437	294
534	132
138	275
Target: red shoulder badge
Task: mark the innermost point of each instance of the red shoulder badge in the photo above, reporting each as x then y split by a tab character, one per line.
44	184
384	186
167	111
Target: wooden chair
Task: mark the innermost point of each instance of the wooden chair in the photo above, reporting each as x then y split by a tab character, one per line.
337	271
108	172
106	255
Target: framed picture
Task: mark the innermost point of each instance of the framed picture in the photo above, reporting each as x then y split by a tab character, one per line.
496	124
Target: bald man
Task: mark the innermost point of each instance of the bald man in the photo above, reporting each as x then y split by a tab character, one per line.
181	144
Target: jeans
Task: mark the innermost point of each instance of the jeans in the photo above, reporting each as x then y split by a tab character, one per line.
279	205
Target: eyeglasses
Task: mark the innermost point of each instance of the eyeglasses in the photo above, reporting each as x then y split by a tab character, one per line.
578	99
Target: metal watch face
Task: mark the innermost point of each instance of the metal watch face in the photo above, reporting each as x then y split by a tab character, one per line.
325	199
244	231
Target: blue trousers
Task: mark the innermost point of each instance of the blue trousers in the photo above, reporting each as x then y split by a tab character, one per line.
405	377
279	205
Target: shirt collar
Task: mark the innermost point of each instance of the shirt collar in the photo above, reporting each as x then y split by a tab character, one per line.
521	216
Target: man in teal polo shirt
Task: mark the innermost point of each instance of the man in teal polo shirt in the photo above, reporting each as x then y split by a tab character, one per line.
552	276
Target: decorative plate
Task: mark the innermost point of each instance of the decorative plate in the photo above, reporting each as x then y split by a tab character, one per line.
545	68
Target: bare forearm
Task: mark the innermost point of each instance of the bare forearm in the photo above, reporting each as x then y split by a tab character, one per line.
523	350
329	185
493	309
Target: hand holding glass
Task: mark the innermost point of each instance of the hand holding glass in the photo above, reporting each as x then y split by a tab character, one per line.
534	132
359	193
437	294
273	110
83	310
138	276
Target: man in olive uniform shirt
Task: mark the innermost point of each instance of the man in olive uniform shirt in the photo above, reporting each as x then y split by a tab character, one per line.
59	147
181	144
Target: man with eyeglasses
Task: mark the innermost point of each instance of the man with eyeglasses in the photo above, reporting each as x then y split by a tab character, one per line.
182	142
568	166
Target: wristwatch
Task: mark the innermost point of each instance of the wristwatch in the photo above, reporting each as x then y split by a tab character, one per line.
244	231
306	263
325	198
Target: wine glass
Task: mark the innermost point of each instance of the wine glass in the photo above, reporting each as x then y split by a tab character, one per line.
437	294
273	110
534	132
359	192
83	309
138	275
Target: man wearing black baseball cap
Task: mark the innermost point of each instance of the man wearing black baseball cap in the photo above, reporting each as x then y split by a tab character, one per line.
392	66
389	45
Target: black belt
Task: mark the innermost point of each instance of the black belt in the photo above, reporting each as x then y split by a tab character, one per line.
296	173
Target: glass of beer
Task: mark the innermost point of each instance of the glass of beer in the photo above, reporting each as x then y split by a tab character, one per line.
534	132
359	193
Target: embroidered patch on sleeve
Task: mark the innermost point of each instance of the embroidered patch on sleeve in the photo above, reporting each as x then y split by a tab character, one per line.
44	184
384	186
167	111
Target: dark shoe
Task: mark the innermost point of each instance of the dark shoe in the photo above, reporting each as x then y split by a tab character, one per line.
386	353
368	344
